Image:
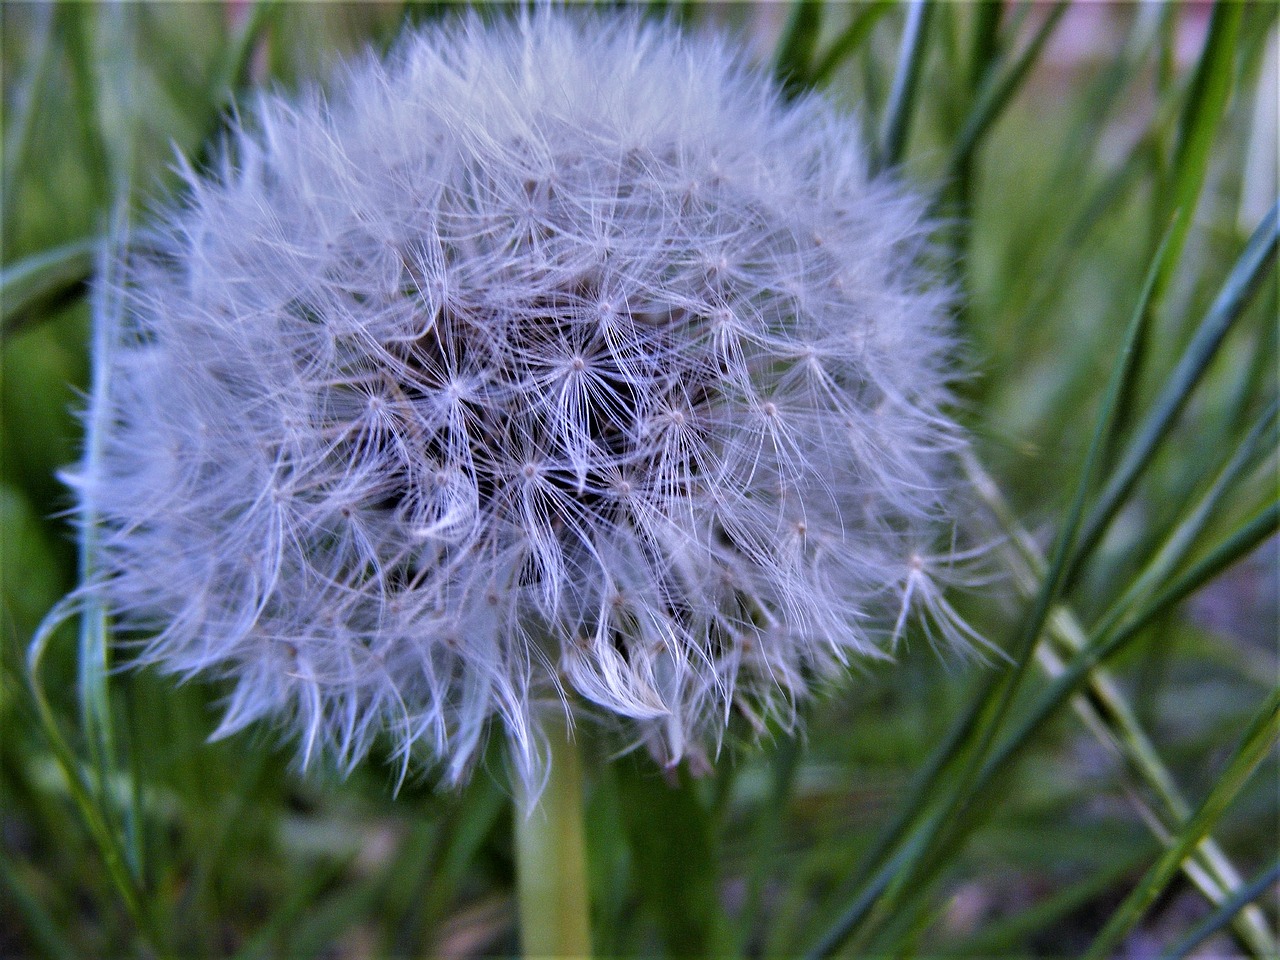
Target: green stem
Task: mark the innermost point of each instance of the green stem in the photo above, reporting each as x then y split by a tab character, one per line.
551	862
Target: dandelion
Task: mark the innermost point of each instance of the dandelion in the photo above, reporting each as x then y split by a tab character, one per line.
557	358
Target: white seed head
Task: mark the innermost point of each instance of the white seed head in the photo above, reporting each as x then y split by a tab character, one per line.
547	356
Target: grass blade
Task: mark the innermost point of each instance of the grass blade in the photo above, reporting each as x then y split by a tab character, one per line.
30	93
1107	713
1000	88
850	40
1206	103
1225	913
792	63
987	709
1254	745
38	285
902	95
1236	292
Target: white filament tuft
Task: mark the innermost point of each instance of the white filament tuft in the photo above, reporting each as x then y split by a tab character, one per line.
552	355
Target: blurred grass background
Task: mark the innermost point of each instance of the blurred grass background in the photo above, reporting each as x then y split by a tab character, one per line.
1106	182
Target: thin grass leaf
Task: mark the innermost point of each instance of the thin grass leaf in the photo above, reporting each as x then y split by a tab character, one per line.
29	94
74	25
1202	114
987	710
1112	638
850	40
88	804
1107	711
1244	540
37	286
675	868
1257	740
986	40
1225	913
1260	442
93	663
794	58
1000	89
902	95
1244	279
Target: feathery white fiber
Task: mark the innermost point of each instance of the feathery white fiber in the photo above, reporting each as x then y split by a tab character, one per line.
558	355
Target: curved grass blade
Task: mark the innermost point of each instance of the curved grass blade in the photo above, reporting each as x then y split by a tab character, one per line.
902	95
1257	740
1205	106
1107	712
793	61
850	40
999	89
987	710
39	284
1236	292
28	95
1225	913
88	804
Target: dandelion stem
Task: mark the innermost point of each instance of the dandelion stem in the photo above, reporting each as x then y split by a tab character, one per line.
551	863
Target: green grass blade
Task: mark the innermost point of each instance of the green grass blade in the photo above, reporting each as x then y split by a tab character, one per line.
850	40
75	26
1205	105
906	81
29	95
1236	292
987	710
675	868
36	286
1259	442
1000	89
1244	540
1254	745
1109	715
88	804
986	39
1225	913
794	58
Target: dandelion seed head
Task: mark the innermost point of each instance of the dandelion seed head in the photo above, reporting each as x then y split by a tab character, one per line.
545	358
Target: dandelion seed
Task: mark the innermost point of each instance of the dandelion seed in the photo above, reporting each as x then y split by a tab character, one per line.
552	356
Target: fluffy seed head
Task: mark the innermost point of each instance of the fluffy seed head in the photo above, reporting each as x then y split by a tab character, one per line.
553	357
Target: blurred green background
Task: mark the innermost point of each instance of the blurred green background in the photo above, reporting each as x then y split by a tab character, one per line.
932	807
